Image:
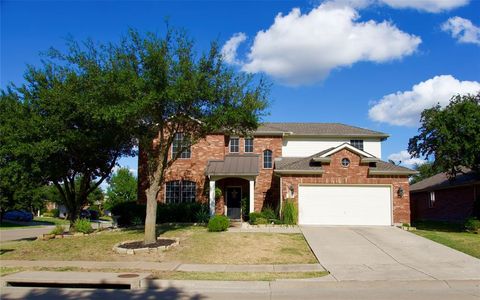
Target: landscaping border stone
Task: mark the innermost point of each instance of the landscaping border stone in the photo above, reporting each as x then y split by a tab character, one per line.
144	250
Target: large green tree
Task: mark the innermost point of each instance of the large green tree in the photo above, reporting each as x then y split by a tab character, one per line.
450	135
66	134
122	188
175	90
425	170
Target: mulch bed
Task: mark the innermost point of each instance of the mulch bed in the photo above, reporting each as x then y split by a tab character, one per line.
140	244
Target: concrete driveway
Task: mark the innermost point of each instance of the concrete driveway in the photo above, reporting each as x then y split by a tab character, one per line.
386	253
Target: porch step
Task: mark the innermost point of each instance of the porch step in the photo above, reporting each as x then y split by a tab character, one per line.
235	223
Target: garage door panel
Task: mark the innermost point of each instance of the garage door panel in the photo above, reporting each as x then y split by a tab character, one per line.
344	205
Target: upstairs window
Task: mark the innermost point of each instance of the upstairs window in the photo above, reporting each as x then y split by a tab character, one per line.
357	144
178	143
234	145
248	145
267	159
431	200
178	191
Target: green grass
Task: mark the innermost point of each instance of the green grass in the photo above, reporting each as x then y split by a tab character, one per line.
178	275
451	235
197	245
51	221
9	270
230	276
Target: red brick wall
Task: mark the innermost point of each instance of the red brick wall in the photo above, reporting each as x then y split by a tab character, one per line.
215	147
356	173
454	204
193	168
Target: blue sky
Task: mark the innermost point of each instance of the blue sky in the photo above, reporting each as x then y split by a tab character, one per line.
369	63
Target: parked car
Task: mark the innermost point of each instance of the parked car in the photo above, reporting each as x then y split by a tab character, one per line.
89	214
18	215
85	214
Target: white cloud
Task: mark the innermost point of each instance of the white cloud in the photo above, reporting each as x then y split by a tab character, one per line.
229	50
432	6
403	158
463	30
404	108
303	48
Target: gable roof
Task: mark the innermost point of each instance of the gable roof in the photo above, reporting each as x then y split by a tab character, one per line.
343	146
441	181
317	129
301	165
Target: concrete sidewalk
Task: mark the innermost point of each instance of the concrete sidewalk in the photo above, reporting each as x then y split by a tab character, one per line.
162	266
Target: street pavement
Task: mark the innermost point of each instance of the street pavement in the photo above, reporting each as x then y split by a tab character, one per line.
23	233
305	290
386	253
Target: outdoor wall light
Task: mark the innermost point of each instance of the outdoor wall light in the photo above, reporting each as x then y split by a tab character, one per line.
400	192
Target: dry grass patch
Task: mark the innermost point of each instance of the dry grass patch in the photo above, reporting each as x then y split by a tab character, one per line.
197	245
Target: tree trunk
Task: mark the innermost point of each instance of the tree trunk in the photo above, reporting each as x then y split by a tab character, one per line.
151	215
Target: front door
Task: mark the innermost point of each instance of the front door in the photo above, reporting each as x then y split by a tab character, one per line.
234	197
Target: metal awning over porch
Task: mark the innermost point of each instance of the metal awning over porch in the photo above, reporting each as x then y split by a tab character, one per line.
234	165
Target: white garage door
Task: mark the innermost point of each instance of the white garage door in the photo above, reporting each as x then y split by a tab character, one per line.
344	205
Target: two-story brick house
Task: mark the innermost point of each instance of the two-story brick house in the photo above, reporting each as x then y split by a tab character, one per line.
332	171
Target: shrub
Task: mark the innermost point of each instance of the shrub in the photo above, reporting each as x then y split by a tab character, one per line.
203	215
218	223
261	220
128	211
290	213
57	230
254	216
269	213
83	226
48	214
473	225
245	208
55	212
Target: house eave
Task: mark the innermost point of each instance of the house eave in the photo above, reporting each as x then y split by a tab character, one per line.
298	172
385	172
322	159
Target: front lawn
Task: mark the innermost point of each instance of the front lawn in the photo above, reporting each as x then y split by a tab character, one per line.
197	245
451	235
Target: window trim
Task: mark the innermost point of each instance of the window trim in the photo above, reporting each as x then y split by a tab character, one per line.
348	164
230	144
271	158
352	142
431	199
180	192
189	150
245	144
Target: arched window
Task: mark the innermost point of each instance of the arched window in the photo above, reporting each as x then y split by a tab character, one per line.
178	191
267	159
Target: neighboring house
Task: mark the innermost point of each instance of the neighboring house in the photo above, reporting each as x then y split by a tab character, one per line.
439	199
332	171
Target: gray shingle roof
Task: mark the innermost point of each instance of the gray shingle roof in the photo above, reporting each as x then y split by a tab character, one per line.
299	163
386	167
233	164
319	129
441	181
305	163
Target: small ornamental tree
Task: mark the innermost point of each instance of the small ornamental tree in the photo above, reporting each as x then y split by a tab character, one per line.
122	188
173	90
450	135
